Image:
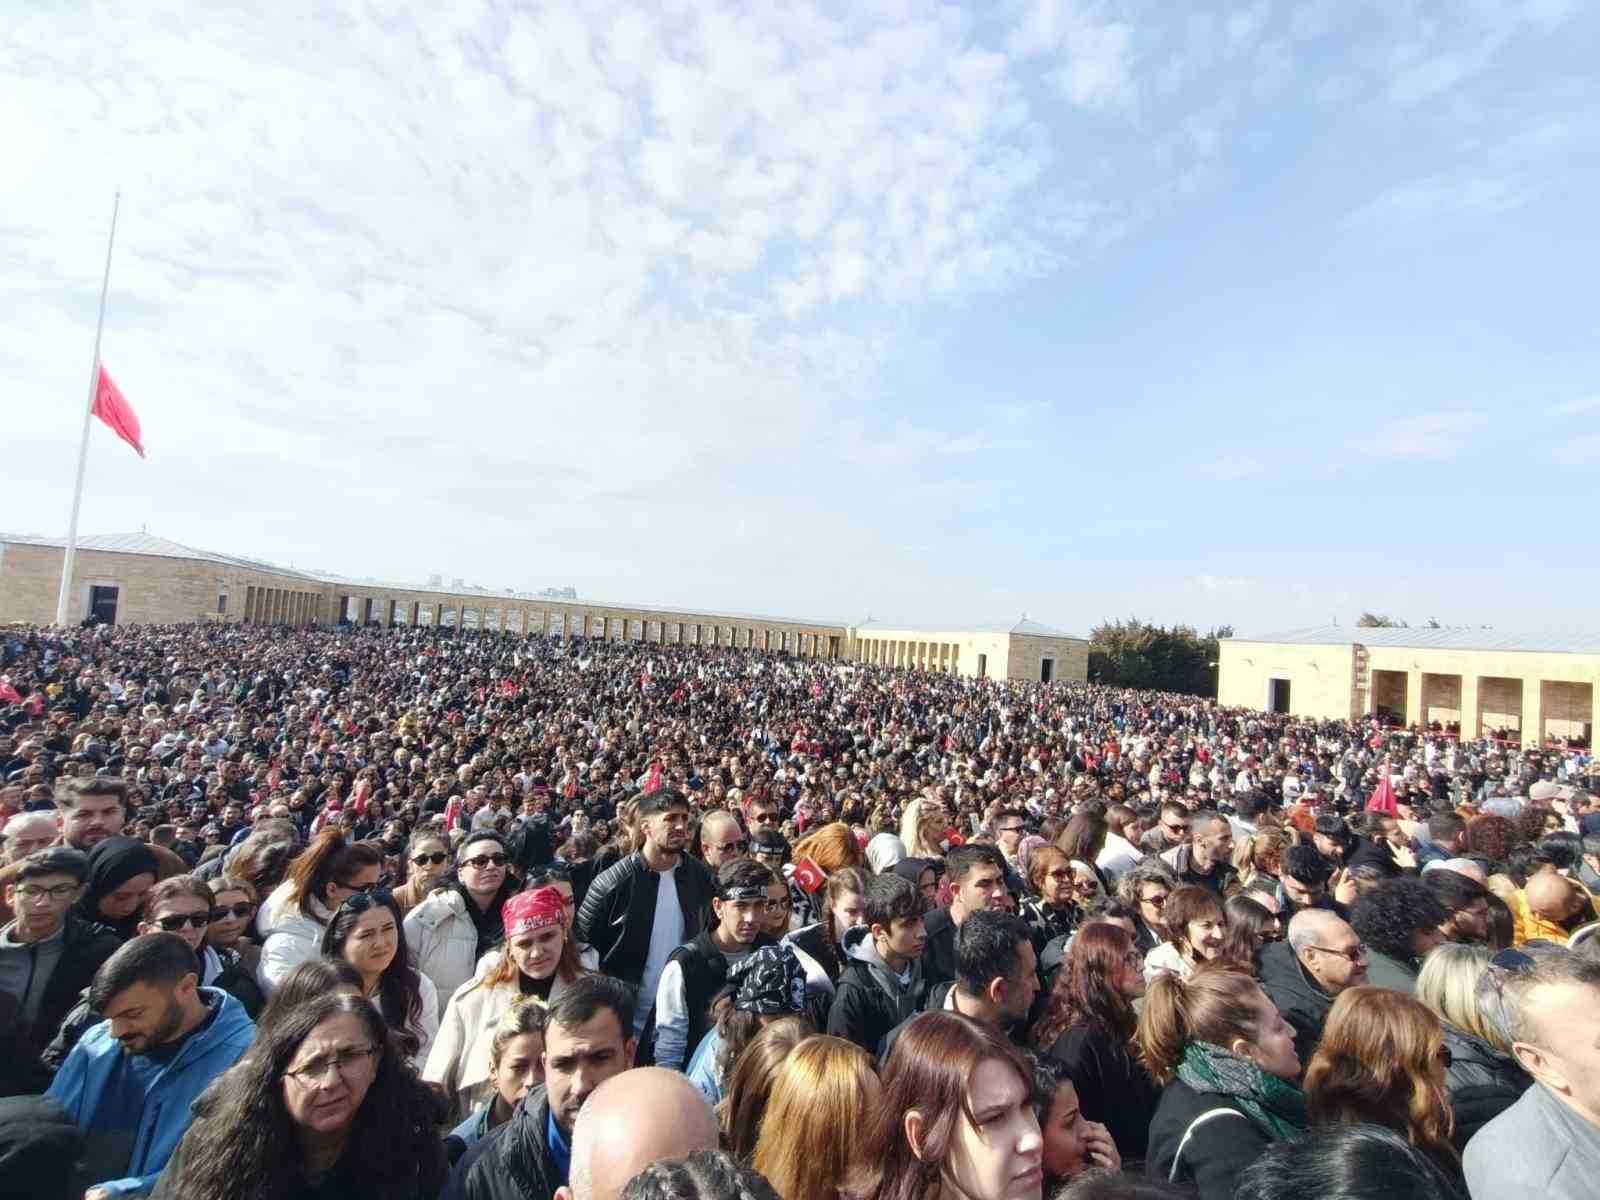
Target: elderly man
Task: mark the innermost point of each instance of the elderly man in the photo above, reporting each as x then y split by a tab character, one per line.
1546	1001
1322	957
631	1121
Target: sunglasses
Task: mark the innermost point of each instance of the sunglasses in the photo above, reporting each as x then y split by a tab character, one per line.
480	862
430	860
177	921
359	902
224	911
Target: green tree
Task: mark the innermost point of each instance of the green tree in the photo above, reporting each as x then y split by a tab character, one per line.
1134	653
1375	621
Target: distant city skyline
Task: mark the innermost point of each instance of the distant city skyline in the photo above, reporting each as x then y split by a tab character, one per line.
1246	314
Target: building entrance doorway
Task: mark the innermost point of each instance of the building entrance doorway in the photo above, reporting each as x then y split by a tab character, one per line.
103	604
1277	695
1047	668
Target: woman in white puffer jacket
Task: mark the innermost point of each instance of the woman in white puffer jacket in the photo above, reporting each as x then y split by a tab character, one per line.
330	870
459	921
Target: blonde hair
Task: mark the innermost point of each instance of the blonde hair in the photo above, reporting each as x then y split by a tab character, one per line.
1448	985
812	1131
522	1018
749	1084
911	820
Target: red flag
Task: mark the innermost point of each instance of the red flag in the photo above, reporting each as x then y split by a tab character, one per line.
116	412
9	693
809	876
652	781
1382	798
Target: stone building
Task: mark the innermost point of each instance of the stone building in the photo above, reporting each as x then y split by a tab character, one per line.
1476	682
140	579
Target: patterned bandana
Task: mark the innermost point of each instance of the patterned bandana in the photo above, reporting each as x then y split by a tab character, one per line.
538	909
770	981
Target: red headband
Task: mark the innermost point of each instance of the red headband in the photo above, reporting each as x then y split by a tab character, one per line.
538	909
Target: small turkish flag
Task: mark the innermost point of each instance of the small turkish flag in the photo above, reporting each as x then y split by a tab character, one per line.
809	876
115	411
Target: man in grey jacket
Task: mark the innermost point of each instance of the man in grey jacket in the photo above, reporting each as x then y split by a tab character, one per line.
1547	1002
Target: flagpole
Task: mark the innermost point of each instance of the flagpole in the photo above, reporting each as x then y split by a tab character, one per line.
88	411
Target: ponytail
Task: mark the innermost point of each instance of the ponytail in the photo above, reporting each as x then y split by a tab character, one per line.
1219	1003
328	859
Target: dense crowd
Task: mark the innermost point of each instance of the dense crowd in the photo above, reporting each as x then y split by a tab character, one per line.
419	913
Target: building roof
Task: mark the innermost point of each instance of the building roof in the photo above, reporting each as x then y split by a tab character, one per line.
1456	638
156	547
1024	627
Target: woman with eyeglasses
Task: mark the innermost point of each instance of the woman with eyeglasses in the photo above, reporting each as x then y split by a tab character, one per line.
367	932
1382	1061
1052	910
427	858
1087	1030
329	870
323	1107
1145	889
539	963
459	920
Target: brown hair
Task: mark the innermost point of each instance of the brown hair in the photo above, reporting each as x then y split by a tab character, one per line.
929	1070
1189	902
810	1135
1085	835
261	860
1044	860
846	881
218	884
1378	1062
329	859
506	970
69	791
832	847
177	885
747	1086
1218	1003
1085	992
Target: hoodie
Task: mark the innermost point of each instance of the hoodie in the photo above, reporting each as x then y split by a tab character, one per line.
871	999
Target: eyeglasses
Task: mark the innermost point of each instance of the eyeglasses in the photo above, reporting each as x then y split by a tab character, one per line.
1355	953
59	891
777	906
429	860
482	862
346	1062
1155	901
726	847
224	911
176	921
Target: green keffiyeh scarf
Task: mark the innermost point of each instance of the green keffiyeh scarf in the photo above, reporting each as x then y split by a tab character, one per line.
1278	1107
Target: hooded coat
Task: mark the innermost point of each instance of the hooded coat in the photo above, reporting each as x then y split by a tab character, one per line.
871	999
111	864
1483	1082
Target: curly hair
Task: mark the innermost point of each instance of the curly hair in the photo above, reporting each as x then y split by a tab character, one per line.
245	1146
1395	911
703	1175
1491	837
1379	1061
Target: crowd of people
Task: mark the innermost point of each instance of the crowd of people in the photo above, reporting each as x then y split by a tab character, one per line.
421	913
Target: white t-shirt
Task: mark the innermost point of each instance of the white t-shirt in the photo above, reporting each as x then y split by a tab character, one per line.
666	935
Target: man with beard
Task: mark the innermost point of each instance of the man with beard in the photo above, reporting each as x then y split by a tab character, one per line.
638	912
587	1041
129	1083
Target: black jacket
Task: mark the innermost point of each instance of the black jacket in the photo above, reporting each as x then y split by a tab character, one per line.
1483	1082
939	958
705	971
1299	998
1218	1150
617	914
512	1162
85	946
864	1010
1112	1087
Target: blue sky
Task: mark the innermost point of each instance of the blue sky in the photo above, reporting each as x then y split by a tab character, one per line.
1251	313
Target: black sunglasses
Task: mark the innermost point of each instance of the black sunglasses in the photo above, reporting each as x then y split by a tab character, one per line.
222	912
431	860
178	921
480	861
359	902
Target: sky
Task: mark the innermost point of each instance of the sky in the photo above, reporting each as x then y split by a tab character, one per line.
1259	314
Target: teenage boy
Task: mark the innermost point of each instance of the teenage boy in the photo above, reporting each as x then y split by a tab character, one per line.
882	983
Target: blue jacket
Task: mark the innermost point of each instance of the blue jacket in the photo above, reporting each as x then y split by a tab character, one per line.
83	1077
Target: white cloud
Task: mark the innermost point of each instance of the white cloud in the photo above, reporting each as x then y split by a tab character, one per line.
1426	435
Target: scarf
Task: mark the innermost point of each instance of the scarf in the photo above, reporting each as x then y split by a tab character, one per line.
1276	1106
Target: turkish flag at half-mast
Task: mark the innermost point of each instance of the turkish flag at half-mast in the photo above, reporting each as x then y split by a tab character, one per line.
115	411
